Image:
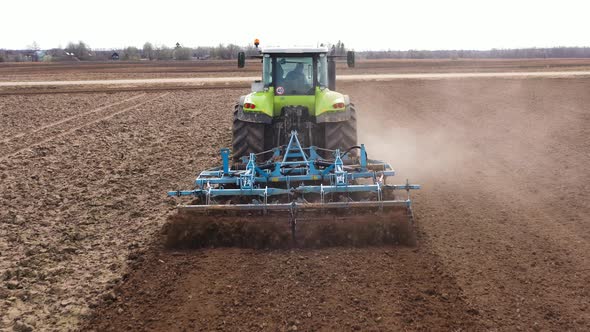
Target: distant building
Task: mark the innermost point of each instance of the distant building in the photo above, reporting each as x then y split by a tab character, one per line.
115	56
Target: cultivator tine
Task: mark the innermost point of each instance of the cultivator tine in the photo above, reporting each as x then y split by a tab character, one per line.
293	221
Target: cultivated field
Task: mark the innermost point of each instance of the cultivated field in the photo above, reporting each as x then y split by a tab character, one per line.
221	68
502	219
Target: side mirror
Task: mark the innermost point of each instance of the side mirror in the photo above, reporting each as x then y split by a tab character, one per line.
350	59
241	59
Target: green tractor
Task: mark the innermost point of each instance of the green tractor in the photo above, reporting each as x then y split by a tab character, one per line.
296	93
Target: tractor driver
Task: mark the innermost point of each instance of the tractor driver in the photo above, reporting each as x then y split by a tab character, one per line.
297	75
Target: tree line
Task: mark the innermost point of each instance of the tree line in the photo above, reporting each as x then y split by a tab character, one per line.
517	53
81	51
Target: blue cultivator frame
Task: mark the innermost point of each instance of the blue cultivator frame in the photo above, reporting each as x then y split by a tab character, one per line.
293	174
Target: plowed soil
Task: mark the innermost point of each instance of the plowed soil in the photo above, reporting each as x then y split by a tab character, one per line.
58	71
502	219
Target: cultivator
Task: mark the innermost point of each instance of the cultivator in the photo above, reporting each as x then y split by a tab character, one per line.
295	197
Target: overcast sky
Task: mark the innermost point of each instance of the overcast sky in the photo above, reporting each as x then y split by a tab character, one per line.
362	25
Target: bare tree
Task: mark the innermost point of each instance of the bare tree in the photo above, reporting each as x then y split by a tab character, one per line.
251	50
79	50
202	52
148	51
34	46
163	52
232	51
182	53
131	53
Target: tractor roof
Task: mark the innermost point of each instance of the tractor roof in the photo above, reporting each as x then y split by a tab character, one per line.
295	50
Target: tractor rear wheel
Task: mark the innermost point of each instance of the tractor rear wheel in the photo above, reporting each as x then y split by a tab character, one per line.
341	135
248	137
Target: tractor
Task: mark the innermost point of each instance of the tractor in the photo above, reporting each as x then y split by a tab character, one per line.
298	177
296	93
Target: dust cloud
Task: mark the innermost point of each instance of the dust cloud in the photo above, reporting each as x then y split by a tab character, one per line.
504	132
417	148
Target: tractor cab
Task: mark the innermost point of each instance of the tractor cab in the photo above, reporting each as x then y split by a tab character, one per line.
295	71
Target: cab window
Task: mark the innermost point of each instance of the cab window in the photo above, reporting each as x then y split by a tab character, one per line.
294	76
267	70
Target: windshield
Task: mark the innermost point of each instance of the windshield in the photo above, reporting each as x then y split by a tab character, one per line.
294	75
